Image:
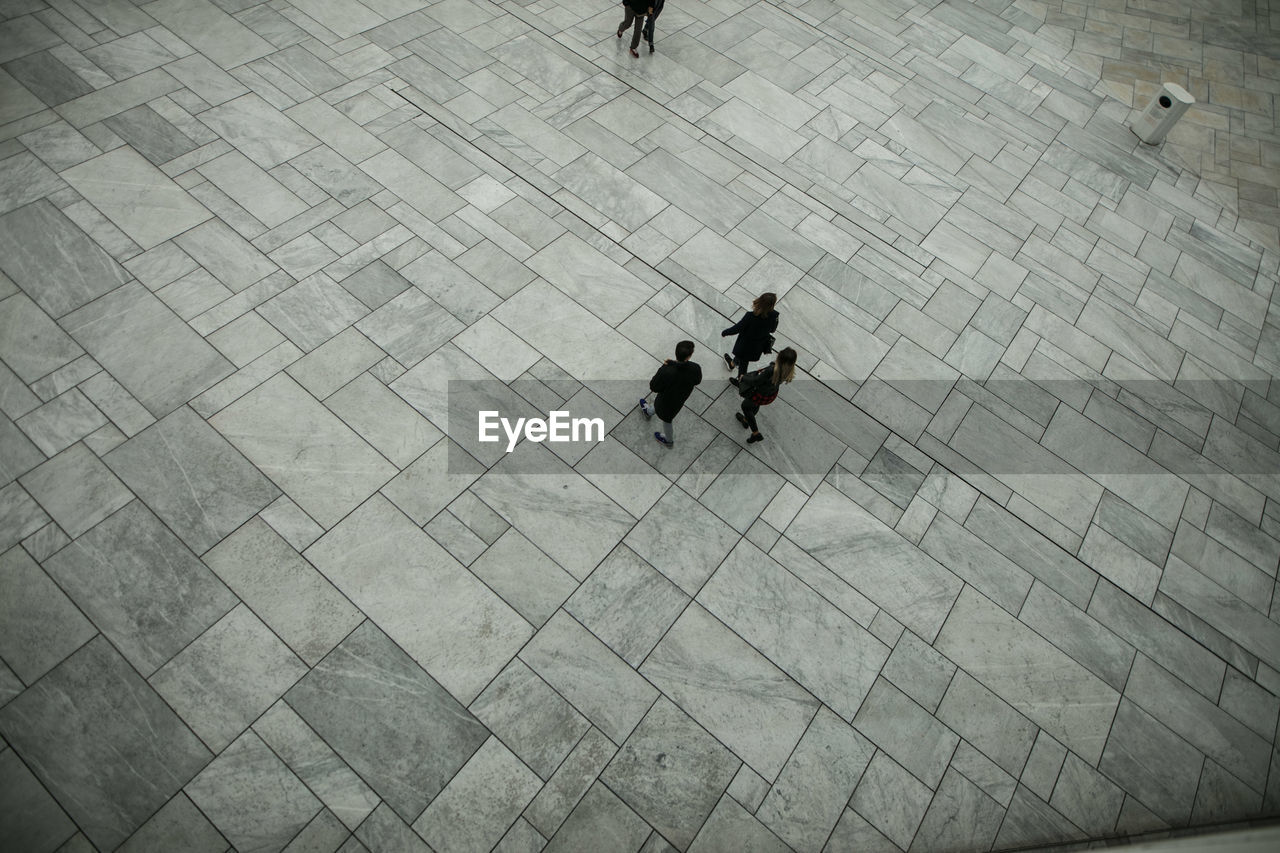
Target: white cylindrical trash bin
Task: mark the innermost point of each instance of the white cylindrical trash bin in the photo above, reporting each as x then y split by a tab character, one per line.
1162	113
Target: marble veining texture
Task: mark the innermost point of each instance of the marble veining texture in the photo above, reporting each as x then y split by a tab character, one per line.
1002	572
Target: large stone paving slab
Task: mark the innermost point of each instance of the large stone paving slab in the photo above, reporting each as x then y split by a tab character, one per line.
311	455
396	727
93	707
192	478
55	262
149	350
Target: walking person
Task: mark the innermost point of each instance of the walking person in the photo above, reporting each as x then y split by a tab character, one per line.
755	333
648	24
673	384
760	388
635	11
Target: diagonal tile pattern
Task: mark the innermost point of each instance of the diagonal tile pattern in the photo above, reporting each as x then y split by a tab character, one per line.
1003	572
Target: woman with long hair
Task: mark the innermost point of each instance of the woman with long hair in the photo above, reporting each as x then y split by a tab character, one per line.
760	388
753	331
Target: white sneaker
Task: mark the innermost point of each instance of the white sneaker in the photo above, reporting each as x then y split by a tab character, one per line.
644	408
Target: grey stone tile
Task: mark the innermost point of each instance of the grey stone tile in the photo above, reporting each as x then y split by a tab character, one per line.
788	622
398	327
1152	764
627	604
192	478
1043	765
875	560
41	626
891	800
534	721
694	772
1029	469
1029	821
600	819
730	827
1086	797
33	820
347	798
977	563
174	365
571	780
76	489
55	262
969	709
419	597
318	461
1030	549
128	189
61	422
252	797
25	179
1222	565
961	817
21	516
682	539
402	732
480	803
806	802
178	825
908	733
1038	679
140	586
919	671
555	508
227	677
702	666
1237	620
1200	722
72	723
1222	798
1242	537
598	683
223	252
383	419
384	830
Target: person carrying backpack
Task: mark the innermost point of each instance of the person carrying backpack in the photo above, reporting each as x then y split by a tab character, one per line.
760	388
755	333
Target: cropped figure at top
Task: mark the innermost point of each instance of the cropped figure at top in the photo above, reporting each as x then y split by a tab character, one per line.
760	388
648	24
753	331
635	11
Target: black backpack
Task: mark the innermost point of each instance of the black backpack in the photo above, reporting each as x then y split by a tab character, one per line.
757	387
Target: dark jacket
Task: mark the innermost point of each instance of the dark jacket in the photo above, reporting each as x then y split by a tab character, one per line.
641	7
673	383
753	335
757	388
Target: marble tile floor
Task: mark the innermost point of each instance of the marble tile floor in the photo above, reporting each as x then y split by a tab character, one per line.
1002	575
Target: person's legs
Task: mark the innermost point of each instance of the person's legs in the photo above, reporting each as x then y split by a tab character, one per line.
749	412
630	15
669	430
639	28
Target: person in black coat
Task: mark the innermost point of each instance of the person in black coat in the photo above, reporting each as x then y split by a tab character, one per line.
634	10
673	384
760	388
648	25
753	332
